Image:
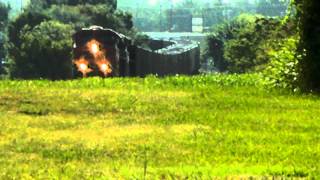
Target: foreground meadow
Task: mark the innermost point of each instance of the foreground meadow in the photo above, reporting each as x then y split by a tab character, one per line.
199	127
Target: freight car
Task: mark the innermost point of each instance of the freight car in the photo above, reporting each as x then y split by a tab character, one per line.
105	52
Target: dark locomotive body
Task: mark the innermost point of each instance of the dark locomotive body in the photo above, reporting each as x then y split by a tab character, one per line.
113	46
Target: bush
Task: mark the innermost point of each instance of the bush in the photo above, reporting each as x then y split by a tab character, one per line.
241	45
4	16
283	70
45	52
87	15
28	17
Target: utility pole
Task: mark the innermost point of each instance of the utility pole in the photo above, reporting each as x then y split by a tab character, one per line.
171	16
160	18
137	9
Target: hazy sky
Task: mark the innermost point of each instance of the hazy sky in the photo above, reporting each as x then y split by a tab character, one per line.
15	4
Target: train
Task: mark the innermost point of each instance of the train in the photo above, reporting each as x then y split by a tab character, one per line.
99	51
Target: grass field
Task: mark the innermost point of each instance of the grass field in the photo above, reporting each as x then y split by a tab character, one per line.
199	127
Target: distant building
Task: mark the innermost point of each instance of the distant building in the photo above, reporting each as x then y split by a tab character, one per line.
197	25
180	20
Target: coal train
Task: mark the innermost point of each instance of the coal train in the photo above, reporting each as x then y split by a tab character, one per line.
104	52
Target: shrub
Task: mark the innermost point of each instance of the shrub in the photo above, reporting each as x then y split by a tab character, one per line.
241	45
283	70
45	52
28	17
4	16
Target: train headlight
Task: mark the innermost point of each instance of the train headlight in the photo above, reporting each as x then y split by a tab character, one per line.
104	67
83	67
94	48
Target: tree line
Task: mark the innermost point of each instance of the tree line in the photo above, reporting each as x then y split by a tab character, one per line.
160	17
284	49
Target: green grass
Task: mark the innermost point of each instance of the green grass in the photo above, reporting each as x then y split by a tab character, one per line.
198	127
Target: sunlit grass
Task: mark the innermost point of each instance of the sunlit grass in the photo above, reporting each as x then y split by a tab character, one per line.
177	127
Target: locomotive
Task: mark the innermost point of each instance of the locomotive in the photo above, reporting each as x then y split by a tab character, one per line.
103	52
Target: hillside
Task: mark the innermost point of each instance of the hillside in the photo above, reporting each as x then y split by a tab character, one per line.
176	127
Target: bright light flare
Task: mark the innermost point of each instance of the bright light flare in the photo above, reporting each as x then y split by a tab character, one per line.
83	66
97	50
94	47
105	67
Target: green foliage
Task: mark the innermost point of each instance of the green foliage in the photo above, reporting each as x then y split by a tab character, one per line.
283	70
103	16
28	18
4	18
200	127
25	21
86	15
3	51
69	15
45	52
241	45
48	3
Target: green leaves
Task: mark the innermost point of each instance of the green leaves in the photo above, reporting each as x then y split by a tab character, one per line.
243	45
46	52
283	68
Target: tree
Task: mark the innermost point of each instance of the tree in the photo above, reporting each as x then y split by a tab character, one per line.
4	16
29	18
309	24
240	46
47	3
45	52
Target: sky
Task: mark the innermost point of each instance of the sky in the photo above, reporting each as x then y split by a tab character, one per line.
15	4
155	2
